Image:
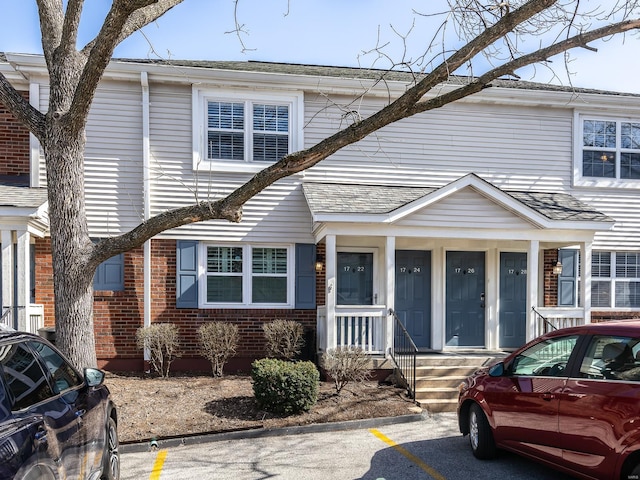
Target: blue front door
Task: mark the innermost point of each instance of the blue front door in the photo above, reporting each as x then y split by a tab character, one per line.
413	294
465	299
513	299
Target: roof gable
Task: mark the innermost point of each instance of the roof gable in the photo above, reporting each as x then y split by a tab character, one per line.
396	204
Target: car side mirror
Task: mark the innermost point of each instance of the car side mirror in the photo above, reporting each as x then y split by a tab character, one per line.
497	370
93	377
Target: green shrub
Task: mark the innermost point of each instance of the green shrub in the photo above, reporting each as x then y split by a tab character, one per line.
284	338
219	341
161	339
285	387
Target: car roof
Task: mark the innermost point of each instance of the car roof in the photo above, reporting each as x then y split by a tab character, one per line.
611	327
16	335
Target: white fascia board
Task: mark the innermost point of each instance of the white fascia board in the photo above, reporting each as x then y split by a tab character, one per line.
570	236
32	64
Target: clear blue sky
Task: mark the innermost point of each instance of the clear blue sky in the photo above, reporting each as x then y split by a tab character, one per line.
326	32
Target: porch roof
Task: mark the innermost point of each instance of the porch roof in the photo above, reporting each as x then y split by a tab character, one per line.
22	197
23	208
329	199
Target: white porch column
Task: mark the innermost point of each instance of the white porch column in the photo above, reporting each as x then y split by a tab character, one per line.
533	275
23	280
7	270
390	277
585	277
330	264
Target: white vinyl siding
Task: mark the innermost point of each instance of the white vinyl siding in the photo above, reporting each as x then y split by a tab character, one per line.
534	145
113	158
465	206
174	183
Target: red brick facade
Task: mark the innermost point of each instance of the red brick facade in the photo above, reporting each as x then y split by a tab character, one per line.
14	144
118	314
550	258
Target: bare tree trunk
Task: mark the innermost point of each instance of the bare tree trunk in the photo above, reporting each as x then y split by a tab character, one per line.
71	246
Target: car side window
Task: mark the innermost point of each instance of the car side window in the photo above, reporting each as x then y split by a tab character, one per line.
611	357
548	357
63	375
25	379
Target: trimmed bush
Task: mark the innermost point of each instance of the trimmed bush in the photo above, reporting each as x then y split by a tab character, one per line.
346	364
285	387
161	339
219	341
284	338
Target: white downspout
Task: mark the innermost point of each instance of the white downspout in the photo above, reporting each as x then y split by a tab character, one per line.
144	81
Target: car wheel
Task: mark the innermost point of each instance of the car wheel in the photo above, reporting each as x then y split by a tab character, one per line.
111	457
480	434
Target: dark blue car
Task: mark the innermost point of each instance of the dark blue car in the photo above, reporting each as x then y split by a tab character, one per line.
55	423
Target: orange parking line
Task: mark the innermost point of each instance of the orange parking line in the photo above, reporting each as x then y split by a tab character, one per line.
431	471
157	466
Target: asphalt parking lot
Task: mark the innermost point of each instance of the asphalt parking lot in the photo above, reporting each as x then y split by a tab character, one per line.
431	448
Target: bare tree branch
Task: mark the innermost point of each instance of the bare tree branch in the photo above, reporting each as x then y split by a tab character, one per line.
51	19
21	108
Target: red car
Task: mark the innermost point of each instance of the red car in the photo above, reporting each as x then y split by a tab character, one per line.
569	399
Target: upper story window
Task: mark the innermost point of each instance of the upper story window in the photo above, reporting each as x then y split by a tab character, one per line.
608	152
237	132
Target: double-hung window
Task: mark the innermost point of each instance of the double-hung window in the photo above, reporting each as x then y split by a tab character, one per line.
249	275
608	151
244	132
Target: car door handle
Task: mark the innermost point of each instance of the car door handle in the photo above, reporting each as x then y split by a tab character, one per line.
548	396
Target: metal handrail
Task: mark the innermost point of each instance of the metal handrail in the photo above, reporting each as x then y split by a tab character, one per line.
403	354
6	318
546	323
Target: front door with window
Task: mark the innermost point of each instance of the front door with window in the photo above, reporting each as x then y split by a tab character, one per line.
513	299
413	294
465	299
355	278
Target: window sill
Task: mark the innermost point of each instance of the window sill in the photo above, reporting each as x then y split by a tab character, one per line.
232	167
236	306
605	183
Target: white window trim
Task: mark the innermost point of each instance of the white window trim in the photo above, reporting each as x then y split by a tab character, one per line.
596	182
246	277
200	97
612	280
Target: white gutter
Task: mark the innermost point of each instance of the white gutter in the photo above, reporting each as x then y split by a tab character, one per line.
144	81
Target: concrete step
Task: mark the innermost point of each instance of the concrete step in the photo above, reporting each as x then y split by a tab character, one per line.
448	381
439	375
438	405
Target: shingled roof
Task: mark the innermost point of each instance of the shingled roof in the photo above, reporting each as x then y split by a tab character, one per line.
356	73
335	198
22	197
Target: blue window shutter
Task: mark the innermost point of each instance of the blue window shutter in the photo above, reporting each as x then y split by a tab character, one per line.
110	274
567	279
187	271
305	293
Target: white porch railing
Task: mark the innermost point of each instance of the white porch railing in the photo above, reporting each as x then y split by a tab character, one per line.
363	327
558	317
34	318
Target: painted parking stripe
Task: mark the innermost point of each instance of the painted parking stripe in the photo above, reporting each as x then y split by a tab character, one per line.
157	466
431	471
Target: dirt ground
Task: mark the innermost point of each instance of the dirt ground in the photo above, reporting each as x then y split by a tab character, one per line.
186	405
